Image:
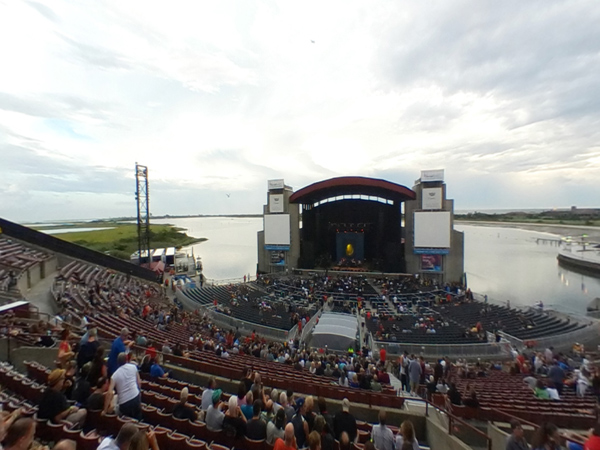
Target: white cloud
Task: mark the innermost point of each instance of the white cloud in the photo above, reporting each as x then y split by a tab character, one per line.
218	97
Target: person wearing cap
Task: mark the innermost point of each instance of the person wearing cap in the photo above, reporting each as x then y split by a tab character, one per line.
344	421
54	406
122	440
119	346
181	410
301	429
126	381
214	414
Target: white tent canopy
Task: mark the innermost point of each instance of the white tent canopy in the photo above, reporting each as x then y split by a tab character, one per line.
337	331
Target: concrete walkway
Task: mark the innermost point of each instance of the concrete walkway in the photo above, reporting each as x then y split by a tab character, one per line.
41	297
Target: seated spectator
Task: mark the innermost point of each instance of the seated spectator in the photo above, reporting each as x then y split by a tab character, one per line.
54	406
289	440
156	370
65	444
256	428
214	414
144	440
181	410
82	389
321	427
207	394
19	435
376	385
314	441
247	408
593	442
275	429
546	438
122	441
516	441
234	422
454	396
345	442
540	391
471	401
406	435
96	401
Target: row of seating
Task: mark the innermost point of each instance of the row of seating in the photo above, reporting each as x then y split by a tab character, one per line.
17	256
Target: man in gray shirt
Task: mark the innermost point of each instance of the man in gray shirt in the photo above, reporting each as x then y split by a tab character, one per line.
414	369
214	415
516	441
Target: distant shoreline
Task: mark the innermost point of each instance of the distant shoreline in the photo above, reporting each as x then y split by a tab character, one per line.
559	230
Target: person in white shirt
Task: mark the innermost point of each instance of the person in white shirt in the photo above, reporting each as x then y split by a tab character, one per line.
126	381
207	394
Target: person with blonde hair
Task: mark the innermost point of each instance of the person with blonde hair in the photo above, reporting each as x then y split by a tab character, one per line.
234	422
143	440
406	435
182	410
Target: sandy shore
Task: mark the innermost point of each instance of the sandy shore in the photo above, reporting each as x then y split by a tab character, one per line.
559	230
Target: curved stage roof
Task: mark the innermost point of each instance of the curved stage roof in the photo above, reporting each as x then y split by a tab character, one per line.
352	185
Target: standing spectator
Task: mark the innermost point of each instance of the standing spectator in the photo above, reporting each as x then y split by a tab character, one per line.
65	354
546	438
54	406
207	394
256	428
383	438
126	381
557	375
344	421
516	441
88	350
119	346
415	372
406	434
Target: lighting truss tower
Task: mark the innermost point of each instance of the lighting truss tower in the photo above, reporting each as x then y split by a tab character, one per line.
143	211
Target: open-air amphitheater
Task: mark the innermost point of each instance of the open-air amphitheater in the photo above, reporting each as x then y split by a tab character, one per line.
43	278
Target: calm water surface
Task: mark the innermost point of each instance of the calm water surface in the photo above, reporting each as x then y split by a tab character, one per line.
505	263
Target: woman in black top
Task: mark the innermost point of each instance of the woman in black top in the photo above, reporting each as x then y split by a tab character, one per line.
454	395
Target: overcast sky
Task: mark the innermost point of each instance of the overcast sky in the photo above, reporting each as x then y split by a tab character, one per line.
218	97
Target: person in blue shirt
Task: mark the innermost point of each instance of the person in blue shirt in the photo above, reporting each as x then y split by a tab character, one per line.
156	370
119	345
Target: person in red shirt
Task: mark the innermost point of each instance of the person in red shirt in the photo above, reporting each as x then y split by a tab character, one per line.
289	439
382	355
151	350
593	442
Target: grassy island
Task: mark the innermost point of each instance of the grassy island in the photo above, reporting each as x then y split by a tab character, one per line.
120	239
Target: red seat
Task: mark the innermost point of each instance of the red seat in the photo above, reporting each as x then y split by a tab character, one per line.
88	441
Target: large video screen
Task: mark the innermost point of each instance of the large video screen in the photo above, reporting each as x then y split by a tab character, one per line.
350	247
277	229
432	229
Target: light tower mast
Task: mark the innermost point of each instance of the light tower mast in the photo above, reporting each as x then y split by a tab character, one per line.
143	212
